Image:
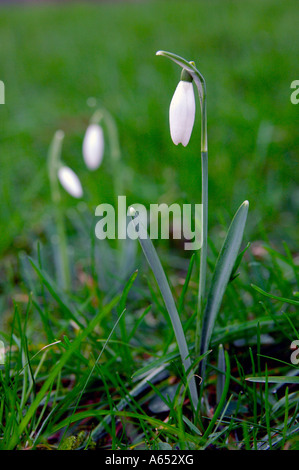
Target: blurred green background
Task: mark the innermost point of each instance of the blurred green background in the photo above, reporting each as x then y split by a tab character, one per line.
53	57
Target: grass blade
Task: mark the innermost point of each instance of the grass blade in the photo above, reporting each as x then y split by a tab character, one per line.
275	297
282	379
222	400
221	373
186	284
121	307
94	367
139	388
55	371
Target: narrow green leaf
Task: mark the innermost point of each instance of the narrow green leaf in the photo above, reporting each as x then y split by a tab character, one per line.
275	297
121	307
223	269
156	423
222	400
191	426
186	284
165	359
275	380
155	264
137	323
234	273
221	373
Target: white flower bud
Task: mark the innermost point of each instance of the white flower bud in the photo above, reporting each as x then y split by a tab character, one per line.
182	113
70	181
93	146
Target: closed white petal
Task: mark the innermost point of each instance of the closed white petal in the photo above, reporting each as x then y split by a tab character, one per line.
70	181
93	146
182	113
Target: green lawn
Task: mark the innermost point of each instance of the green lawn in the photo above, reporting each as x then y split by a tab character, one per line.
52	60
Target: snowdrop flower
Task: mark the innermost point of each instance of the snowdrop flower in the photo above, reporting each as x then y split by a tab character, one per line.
182	110
93	146
70	181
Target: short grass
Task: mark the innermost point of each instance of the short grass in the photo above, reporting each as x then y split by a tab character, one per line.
98	367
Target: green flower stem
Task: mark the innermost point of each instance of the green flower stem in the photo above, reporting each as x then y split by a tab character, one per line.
204	248
205	198
201	88
53	166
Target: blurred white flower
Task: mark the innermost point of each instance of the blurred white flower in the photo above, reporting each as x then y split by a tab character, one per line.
93	146
182	113
70	181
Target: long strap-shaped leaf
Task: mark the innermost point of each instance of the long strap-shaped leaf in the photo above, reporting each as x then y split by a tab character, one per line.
284	379
155	264
221	277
